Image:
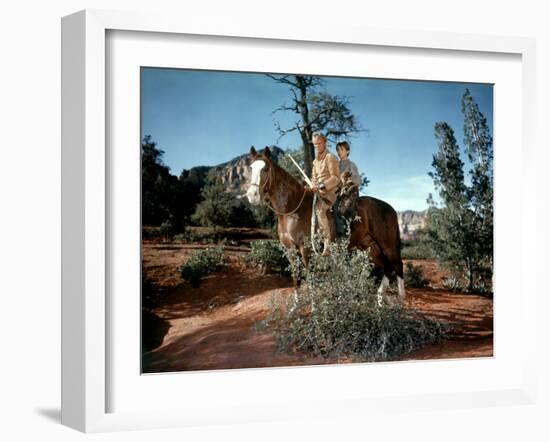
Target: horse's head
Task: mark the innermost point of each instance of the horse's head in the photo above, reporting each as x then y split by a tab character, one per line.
259	181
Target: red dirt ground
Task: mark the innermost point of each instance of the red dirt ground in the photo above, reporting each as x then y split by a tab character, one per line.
213	326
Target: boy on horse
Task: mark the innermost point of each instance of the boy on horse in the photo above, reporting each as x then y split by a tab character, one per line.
346	165
349	191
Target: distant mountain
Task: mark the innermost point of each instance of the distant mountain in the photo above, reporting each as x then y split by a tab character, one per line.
235	173
410	221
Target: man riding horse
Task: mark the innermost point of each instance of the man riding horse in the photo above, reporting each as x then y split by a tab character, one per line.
326	181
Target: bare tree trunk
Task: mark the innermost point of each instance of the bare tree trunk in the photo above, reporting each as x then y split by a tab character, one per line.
308	154
306	131
470	275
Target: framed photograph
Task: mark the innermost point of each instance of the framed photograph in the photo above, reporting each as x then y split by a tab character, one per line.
267	222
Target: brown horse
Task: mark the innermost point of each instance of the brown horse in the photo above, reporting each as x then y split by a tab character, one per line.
376	230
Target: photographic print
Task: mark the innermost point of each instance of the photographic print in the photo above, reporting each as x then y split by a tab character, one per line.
297	220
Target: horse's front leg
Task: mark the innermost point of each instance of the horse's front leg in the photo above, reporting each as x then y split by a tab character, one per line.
294	261
382	289
304	253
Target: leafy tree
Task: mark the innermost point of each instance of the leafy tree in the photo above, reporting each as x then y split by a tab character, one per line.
161	191
216	207
317	111
451	227
192	181
461	229
448	172
220	208
479	148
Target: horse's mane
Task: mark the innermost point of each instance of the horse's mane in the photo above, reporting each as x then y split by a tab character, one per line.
281	171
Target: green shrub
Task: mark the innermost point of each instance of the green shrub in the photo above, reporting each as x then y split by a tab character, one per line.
270	255
452	283
168	229
418	248
414	276
335	313
481	283
213	235
200	264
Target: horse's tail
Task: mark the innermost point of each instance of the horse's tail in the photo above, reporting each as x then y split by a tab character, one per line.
399	261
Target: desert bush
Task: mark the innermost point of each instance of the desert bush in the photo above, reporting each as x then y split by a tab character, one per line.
417	248
452	283
200	264
481	285
414	276
270	255
335	313
213	235
168	229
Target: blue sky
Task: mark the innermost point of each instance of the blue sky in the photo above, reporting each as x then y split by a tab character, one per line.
206	118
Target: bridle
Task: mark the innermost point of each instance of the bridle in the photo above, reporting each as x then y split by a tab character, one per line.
265	190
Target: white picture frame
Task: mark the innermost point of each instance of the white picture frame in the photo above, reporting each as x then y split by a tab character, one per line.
86	353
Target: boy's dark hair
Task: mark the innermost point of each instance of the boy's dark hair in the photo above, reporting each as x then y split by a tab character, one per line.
343	144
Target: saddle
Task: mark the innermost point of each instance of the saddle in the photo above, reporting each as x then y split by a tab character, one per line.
345	208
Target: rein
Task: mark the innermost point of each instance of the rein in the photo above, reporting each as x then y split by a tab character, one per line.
264	192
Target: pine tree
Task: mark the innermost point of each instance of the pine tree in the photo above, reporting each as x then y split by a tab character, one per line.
451	226
461	230
449	168
479	148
